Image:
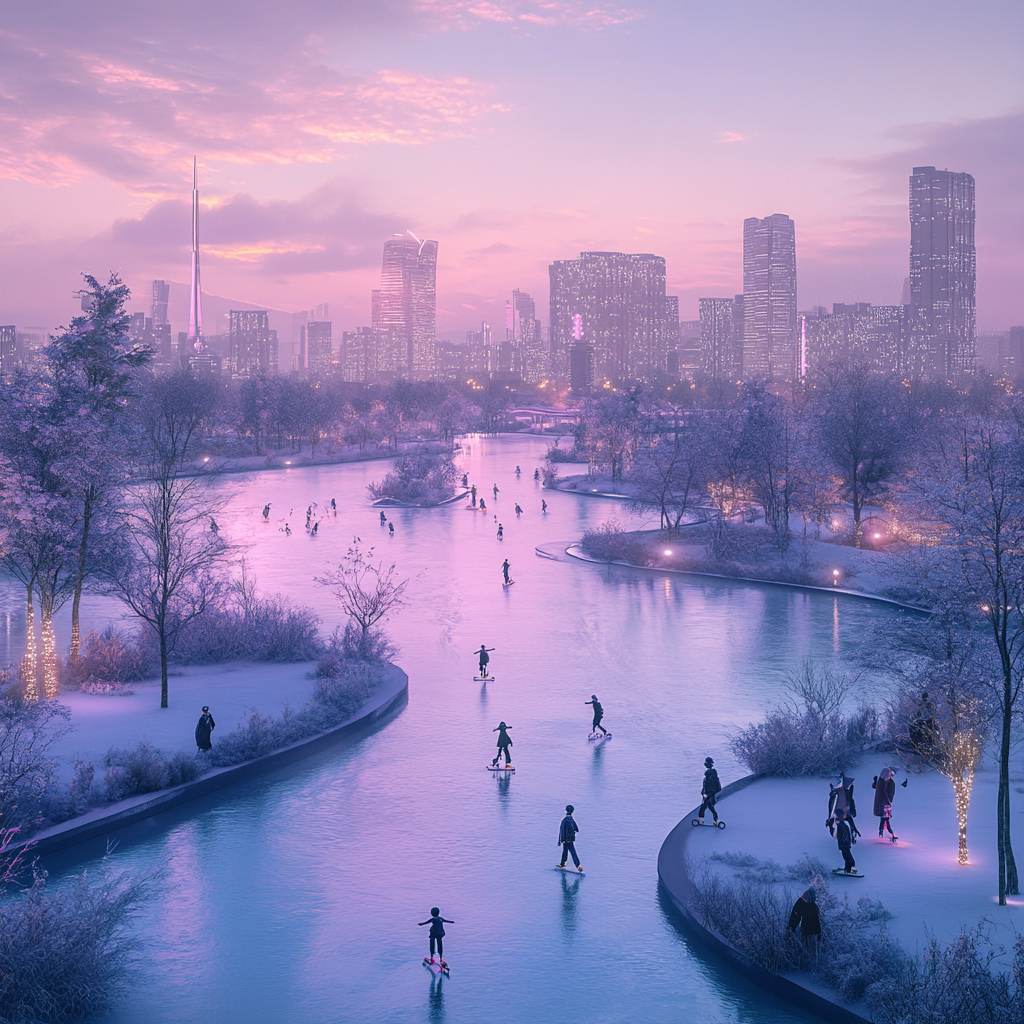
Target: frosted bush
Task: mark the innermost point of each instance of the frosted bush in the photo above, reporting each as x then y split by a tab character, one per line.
140	769
423	477
610	543
112	657
65	952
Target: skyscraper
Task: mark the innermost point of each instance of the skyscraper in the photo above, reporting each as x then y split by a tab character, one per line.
195	315
717	347
522	334
320	348
405	307
253	345
161	294
626	315
942	267
769	298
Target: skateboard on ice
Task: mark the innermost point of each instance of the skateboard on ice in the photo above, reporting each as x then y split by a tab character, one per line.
436	966
707	824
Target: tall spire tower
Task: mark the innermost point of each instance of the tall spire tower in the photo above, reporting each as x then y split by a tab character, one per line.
195	316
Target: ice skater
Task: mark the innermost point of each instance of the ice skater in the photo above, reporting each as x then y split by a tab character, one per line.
844	838
266	511
214	528
884	786
437	923
543	505
598	715
709	790
840	797
519	511
505	568
483	507
495	492
316	526
504	742
287	530
567	838
518	471
334	506
391	529
472	492
383	519
501	532
484	657
536	474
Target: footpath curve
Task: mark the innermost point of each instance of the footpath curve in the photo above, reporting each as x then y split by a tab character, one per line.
676	883
391	695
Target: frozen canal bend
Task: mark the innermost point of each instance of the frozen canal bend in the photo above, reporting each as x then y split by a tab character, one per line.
295	898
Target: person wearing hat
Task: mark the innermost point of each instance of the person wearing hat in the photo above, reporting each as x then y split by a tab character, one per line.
567	838
805	916
504	742
204	727
884	786
709	790
598	714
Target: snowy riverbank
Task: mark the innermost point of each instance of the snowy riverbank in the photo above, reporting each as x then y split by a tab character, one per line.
917	880
232	690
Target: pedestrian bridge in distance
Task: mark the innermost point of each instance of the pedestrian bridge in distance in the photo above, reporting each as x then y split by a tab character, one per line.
543	417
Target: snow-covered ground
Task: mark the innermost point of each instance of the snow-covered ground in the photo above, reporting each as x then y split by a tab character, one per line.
917	880
231	690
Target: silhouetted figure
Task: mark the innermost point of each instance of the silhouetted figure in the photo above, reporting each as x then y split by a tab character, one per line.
504	742
709	790
598	714
484	657
437	923
567	838
204	727
505	571
266	511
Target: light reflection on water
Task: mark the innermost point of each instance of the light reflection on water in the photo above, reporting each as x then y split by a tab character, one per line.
295	897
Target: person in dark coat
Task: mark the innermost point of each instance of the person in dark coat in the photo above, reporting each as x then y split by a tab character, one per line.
204	727
567	838
437	923
884	786
805	917
598	715
840	797
504	742
844	837
484	654
711	788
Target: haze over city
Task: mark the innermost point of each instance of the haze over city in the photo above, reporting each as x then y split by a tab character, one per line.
514	133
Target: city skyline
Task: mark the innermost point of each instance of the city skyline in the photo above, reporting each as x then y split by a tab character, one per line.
419	126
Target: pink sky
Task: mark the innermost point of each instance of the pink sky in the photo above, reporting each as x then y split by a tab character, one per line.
515	132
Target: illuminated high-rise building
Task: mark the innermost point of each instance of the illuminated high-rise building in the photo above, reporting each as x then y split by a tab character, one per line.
523	337
319	348
942	267
717	338
627	317
770	326
405	306
253	345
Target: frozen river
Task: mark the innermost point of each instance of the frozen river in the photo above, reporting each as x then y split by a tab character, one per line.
295	898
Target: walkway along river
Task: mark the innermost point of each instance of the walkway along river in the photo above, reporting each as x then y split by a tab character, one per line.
295	897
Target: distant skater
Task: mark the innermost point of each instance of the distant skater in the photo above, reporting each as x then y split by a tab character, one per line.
316	526
844	838
711	788
465	479
287	530
214	528
484	657
504	742
391	529
266	511
543	505
437	923
567	838
204	727
598	714
495	492
536	474
383	519
518	471
483	507
501	531
505	567
519	511
472	492
334	506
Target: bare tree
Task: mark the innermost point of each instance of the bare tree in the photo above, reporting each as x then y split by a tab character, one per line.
860	425
368	591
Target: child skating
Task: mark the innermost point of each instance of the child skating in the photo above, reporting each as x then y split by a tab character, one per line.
504	742
437	923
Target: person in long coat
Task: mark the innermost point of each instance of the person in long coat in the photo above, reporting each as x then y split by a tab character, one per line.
805	916
884	786
204	727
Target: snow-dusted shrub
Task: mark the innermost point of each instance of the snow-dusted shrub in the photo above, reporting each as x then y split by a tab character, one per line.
339	696
423	477
953	984
807	736
610	543
258	735
65	951
28	729
182	768
113	656
250	628
140	769
352	645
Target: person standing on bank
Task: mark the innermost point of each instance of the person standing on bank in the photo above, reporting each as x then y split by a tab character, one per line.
711	788
204	727
567	838
805	916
